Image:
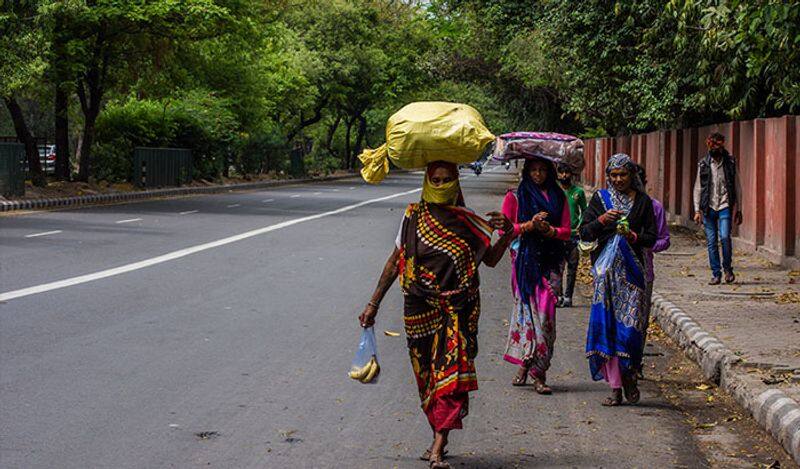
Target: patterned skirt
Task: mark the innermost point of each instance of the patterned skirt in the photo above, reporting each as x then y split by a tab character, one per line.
442	344
532	330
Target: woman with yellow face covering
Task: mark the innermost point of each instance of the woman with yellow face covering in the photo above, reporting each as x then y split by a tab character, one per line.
438	250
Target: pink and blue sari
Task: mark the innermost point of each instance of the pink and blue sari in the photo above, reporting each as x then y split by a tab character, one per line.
617	318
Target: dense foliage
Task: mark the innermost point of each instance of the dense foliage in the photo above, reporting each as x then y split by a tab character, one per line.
244	82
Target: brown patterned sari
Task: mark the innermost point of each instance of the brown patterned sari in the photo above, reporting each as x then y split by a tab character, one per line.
441	248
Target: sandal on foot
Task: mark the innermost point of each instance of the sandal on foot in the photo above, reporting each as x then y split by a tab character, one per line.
426	456
632	394
520	380
540	387
439	463
614	399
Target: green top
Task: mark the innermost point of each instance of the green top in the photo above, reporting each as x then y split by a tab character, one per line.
577	205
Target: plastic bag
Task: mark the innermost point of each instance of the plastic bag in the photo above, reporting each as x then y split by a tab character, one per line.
423	132
605	261
365	366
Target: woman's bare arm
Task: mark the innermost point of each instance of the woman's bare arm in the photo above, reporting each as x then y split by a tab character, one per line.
388	276
495	252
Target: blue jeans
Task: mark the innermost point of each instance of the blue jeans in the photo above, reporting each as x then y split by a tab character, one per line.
718	229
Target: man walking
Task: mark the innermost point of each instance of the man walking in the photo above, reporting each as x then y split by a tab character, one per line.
577	205
716	192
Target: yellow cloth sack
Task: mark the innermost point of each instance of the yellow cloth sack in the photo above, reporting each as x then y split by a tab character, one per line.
423	132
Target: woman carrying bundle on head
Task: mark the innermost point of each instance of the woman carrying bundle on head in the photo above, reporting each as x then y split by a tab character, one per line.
437	253
541	220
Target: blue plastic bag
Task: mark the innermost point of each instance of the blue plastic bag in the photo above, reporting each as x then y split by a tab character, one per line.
606	258
365	367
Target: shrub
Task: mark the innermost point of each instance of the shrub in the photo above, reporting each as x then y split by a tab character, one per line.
196	120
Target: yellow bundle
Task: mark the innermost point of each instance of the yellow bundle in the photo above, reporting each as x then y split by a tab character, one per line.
423	132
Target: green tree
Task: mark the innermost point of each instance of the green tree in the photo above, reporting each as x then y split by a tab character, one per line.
22	45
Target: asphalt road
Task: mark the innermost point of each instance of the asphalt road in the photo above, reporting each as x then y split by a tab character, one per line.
217	331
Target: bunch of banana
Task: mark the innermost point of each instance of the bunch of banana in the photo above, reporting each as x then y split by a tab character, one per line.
623	226
366	373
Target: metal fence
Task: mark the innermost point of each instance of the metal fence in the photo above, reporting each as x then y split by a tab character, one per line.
159	167
12	169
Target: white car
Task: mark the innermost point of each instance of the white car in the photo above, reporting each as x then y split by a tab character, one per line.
47	157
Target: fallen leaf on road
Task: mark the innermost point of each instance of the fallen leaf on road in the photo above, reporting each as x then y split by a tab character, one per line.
706	425
788	297
391	333
703	387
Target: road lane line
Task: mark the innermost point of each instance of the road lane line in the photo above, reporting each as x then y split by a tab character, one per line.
69	282
334	190
294	196
316	193
130	220
45	233
188	212
234	205
268	200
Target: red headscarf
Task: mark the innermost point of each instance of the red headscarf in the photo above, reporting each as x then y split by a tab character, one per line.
715	141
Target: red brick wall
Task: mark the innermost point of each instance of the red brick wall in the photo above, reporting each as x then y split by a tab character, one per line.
767	153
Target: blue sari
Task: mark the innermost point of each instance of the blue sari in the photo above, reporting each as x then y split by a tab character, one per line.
616	322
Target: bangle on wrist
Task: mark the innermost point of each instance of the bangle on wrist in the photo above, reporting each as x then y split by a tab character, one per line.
374	304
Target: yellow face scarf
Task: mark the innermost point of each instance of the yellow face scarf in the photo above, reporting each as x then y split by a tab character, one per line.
446	194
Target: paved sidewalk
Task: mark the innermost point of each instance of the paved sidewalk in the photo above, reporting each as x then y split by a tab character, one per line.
746	336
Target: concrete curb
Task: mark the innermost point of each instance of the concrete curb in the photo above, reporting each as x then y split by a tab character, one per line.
29	204
772	408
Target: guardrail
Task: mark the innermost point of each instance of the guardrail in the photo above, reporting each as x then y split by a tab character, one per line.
12	169
161	167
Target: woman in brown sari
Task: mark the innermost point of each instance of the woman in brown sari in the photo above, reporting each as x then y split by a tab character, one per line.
438	250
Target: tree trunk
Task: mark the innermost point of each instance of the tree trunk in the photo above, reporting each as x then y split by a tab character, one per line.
24	136
61	78
349	123
62	133
362	130
331	133
90	88
85	164
316	117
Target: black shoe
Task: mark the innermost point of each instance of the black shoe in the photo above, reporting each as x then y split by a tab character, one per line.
566	302
715	280
729	277
560	302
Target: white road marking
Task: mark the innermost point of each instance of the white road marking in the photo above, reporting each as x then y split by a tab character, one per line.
188	212
268	200
316	193
294	196
234	205
45	233
351	187
335	190
170	256
130	220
